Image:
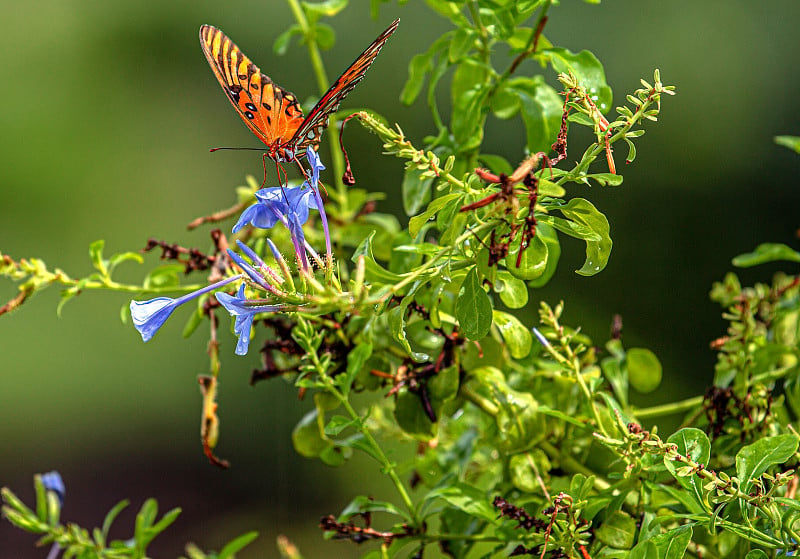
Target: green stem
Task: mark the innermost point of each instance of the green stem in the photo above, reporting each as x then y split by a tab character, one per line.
416	274
668	409
386	465
340	194
377	452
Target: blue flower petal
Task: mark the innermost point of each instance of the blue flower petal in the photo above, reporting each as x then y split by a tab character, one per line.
258	215
316	165
52	482
149	316
243	315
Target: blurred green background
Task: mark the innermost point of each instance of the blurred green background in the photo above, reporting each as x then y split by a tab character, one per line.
107	112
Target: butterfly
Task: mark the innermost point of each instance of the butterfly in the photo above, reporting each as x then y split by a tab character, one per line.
269	111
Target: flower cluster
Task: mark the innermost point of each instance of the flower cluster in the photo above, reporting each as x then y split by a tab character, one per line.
287	205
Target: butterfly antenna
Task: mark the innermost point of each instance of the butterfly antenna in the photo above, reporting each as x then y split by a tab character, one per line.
246	149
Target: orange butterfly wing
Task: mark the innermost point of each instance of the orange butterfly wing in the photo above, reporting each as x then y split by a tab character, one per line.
312	127
272	113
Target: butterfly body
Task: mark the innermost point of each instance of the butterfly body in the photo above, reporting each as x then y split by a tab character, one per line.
272	113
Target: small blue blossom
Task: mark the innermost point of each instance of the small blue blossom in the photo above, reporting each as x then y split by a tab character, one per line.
244	312
251	272
52	482
541	338
149	316
277	204
316	166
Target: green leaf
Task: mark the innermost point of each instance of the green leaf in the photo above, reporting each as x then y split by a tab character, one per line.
518	337
631	151
195	319
306	436
618	531
452	228
355	362
281	44
236	545
516	413
397	326
325	36
549	188
522	475
645	549
444	385
673	544
549	237
168	275
416	190
513	292
522	469
541	111
460	45
766	252
496	163
587	68
473	307
571	228
335	455
417	68
374	271
327	8
118	259
644	369
470	75
791	142
111	516
362	504
755	459
415	223
756	554
693	443
420	65
411	416
605	179
96	255
617	377
468	499
583	212
505	103
337	424
469	110
532	262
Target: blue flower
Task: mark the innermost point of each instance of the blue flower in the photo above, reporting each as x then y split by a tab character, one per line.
244	312
248	269
316	166
52	482
277	204
149	316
